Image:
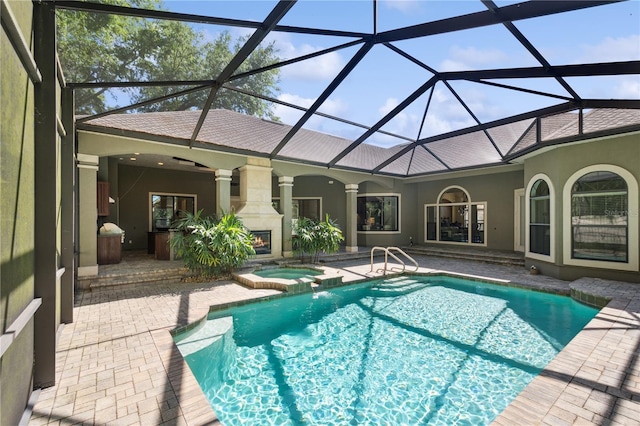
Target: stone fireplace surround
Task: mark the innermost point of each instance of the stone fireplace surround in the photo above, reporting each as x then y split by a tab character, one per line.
256	211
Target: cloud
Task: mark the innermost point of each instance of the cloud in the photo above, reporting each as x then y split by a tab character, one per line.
322	67
404	6
627	88
445	114
611	49
403	124
472	58
335	107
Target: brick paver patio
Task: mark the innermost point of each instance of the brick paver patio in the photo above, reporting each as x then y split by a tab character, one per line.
117	364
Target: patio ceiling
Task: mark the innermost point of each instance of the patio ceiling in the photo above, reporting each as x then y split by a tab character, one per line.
554	109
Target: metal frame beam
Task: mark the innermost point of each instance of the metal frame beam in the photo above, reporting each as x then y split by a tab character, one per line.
527	45
45	226
577	70
515	12
20	45
384	120
344	72
256	38
92	7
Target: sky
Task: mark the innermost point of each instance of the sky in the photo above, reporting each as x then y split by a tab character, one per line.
383	78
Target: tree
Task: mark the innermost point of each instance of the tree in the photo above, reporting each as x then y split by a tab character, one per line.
104	47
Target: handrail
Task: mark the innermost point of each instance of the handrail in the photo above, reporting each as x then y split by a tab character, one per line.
387	253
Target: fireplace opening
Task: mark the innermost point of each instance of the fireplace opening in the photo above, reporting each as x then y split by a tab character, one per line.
262	242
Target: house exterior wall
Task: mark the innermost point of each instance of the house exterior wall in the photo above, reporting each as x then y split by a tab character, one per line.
559	164
333	195
134	186
408	217
494	188
17	216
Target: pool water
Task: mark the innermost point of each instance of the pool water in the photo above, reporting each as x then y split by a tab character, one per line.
287	273
401	351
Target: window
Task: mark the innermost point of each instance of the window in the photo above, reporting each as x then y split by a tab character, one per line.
599	217
455	218
310	208
378	213
302	207
540	218
166	208
600	228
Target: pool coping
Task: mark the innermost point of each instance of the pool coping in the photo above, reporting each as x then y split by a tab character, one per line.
559	393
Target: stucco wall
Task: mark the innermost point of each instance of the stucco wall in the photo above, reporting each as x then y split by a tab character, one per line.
562	162
332	194
134	185
409	215
16	218
496	189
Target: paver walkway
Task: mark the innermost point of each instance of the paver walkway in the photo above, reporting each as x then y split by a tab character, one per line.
117	364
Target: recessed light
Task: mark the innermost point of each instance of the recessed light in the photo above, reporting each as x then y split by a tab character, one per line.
160	163
136	153
132	158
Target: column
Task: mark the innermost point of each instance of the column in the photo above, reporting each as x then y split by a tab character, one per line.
46	153
88	214
286	188
68	209
223	192
351	232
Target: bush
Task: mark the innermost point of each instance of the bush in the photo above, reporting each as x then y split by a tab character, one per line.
212	247
314	237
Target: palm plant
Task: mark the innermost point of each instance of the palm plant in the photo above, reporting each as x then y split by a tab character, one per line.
314	237
212	247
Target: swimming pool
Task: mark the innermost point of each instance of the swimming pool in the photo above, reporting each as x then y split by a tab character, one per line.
287	273
407	350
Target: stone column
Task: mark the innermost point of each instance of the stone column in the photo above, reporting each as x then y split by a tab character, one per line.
286	188
223	191
88	215
351	232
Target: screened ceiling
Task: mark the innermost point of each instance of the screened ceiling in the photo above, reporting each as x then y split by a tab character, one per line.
395	87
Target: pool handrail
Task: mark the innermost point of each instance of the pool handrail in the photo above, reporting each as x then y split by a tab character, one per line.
387	253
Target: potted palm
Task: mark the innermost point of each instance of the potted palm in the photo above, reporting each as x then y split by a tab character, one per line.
212	247
314	237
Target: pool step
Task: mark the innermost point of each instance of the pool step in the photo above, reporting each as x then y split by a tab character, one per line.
500	257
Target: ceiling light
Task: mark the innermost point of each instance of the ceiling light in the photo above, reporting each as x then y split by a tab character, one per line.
160	163
136	153
132	158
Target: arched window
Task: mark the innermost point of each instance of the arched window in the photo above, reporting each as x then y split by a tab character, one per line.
540	218
455	218
600	230
600	217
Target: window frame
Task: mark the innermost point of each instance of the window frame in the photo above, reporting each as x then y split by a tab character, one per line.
398	214
551	257
469	204
168	194
632	220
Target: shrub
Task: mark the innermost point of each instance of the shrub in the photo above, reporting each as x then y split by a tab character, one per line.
314	237
212	247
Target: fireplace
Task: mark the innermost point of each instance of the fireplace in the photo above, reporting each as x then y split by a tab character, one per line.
262	242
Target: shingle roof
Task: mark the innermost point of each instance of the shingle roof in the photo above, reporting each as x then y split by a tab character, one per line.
231	131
